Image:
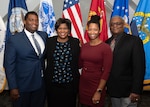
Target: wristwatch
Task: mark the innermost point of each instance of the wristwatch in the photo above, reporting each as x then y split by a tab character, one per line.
99	90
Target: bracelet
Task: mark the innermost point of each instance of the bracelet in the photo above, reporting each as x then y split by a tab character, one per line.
99	90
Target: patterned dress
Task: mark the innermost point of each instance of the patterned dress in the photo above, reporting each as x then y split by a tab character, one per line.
96	63
62	67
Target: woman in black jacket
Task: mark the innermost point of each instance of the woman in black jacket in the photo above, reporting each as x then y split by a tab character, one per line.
62	75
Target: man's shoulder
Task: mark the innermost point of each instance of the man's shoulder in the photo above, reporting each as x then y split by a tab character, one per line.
108	40
41	33
17	35
132	37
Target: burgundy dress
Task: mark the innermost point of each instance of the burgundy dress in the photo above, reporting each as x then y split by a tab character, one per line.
96	62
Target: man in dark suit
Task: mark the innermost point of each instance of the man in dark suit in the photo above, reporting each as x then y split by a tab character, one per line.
24	64
125	83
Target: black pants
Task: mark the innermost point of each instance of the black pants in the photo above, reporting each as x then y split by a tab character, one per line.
31	99
61	96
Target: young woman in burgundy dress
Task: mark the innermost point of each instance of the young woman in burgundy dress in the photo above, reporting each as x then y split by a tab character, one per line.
95	61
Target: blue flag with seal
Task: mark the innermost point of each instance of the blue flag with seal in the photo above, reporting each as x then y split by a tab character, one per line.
47	17
142	19
121	8
16	12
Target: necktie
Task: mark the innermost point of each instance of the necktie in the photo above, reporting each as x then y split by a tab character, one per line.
36	44
112	44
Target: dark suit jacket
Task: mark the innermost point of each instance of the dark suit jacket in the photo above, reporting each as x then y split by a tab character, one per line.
75	49
22	65
128	67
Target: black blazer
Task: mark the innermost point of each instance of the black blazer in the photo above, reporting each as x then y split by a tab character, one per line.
75	50
128	67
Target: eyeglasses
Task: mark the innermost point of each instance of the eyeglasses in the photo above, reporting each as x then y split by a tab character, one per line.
116	23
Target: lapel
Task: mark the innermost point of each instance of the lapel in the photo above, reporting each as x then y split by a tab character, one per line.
111	38
120	43
24	36
43	37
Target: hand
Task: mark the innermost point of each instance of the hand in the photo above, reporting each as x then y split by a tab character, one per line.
134	97
14	94
96	97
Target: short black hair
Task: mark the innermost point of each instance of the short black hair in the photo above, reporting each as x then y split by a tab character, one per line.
30	12
62	21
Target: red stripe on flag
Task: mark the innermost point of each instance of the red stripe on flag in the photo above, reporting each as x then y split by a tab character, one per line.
78	10
74	22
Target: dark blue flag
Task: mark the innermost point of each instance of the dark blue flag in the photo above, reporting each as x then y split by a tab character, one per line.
121	8
16	11
142	19
134	29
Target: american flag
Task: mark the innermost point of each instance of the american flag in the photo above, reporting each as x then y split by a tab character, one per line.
71	10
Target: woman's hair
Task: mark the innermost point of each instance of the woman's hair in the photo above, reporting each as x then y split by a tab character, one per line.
63	21
94	19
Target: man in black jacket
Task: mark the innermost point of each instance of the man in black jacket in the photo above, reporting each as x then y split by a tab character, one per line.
125	83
